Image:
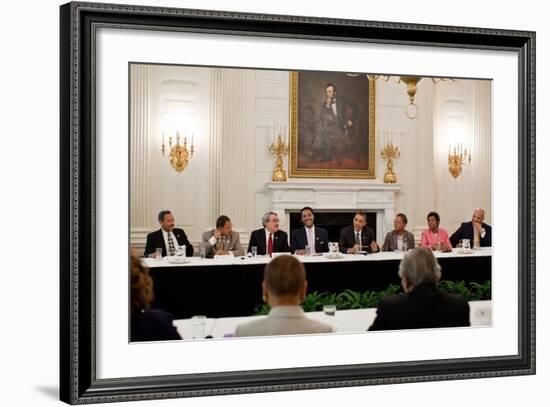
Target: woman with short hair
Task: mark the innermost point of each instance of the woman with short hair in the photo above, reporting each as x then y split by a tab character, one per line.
434	237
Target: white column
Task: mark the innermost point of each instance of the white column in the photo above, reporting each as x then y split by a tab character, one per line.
139	131
230	115
481	158
423	158
216	126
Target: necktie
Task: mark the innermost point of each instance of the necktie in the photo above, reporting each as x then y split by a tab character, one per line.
357	239
171	248
270	245
310	241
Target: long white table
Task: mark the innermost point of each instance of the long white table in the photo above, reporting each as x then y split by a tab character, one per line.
231	287
357	320
245	260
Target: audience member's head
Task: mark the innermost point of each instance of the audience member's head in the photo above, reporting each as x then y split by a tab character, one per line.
419	266
307	216
166	220
400	222
284	281
142	286
270	221
433	220
359	221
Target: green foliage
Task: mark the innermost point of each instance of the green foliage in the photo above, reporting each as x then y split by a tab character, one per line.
349	299
471	292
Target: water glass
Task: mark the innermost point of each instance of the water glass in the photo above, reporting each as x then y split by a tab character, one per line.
307	251
182	251
198	326
202	252
329	310
404	246
158	252
254	251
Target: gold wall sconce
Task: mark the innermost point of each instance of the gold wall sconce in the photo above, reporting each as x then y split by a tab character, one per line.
459	156
178	154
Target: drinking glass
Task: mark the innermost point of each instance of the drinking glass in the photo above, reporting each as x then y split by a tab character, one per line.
198	326
404	247
307	251
182	251
254	251
158	253
329	310
202	252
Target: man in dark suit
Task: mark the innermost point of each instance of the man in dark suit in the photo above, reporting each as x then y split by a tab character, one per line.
309	235
167	237
469	230
358	237
269	239
336	127
422	305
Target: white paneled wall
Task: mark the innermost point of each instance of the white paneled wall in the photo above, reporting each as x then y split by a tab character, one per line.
231	112
462	114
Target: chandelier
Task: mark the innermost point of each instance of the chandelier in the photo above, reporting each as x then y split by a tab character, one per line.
411	110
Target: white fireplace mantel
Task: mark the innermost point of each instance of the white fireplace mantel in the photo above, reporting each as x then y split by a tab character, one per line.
335	195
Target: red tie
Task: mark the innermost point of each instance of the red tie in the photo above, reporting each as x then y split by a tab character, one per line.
270	245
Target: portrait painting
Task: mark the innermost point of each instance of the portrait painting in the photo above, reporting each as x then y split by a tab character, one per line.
332	125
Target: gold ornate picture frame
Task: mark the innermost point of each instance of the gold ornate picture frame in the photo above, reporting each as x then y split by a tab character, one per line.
336	141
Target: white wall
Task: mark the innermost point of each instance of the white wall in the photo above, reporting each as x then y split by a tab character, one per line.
29	301
232	111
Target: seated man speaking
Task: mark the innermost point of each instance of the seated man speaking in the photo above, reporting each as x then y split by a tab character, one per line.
357	237
168	238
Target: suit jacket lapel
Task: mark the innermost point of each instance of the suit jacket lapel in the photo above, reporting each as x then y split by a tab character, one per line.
263	241
161	242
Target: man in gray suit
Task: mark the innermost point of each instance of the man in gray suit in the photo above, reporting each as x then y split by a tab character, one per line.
222	240
399	238
284	289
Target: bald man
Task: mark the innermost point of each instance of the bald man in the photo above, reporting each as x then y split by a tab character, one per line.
466	230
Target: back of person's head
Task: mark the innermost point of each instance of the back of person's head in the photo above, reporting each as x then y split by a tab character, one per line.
284	276
142	286
419	266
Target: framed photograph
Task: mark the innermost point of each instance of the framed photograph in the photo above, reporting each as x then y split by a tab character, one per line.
104	49
332	136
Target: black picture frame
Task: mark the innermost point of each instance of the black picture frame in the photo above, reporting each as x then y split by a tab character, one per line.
78	381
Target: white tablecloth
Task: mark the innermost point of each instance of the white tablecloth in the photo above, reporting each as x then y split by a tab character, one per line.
343	321
381	256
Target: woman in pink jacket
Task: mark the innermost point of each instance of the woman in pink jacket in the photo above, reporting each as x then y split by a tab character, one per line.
434	237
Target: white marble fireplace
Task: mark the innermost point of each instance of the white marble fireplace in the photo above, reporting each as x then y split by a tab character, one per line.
335	195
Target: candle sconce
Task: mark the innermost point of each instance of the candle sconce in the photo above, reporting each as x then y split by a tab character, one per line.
390	151
178	154
459	156
279	148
